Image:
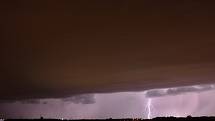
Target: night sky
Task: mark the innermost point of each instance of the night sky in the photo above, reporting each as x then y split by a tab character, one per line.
82	52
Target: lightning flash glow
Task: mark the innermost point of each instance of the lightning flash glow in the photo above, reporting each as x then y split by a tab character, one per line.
149	103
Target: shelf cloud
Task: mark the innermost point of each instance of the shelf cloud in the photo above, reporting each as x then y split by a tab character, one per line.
178	90
83	99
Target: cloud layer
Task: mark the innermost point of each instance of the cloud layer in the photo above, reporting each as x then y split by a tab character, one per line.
83	99
58	50
179	90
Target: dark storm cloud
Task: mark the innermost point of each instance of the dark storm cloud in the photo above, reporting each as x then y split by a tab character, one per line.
60	49
83	99
178	90
76	99
7	101
25	101
33	101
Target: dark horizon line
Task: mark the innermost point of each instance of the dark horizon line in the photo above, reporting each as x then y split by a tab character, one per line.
43	118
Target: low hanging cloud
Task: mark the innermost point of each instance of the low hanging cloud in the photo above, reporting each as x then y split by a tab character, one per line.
178	90
31	101
34	101
27	101
81	99
77	99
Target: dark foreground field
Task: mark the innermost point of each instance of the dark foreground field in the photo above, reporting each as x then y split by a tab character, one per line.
154	119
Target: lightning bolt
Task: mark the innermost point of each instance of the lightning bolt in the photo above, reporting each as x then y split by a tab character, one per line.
149	103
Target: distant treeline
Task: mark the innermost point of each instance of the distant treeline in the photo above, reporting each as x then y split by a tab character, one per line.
189	118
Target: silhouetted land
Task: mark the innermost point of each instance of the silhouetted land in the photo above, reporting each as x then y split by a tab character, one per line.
128	119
